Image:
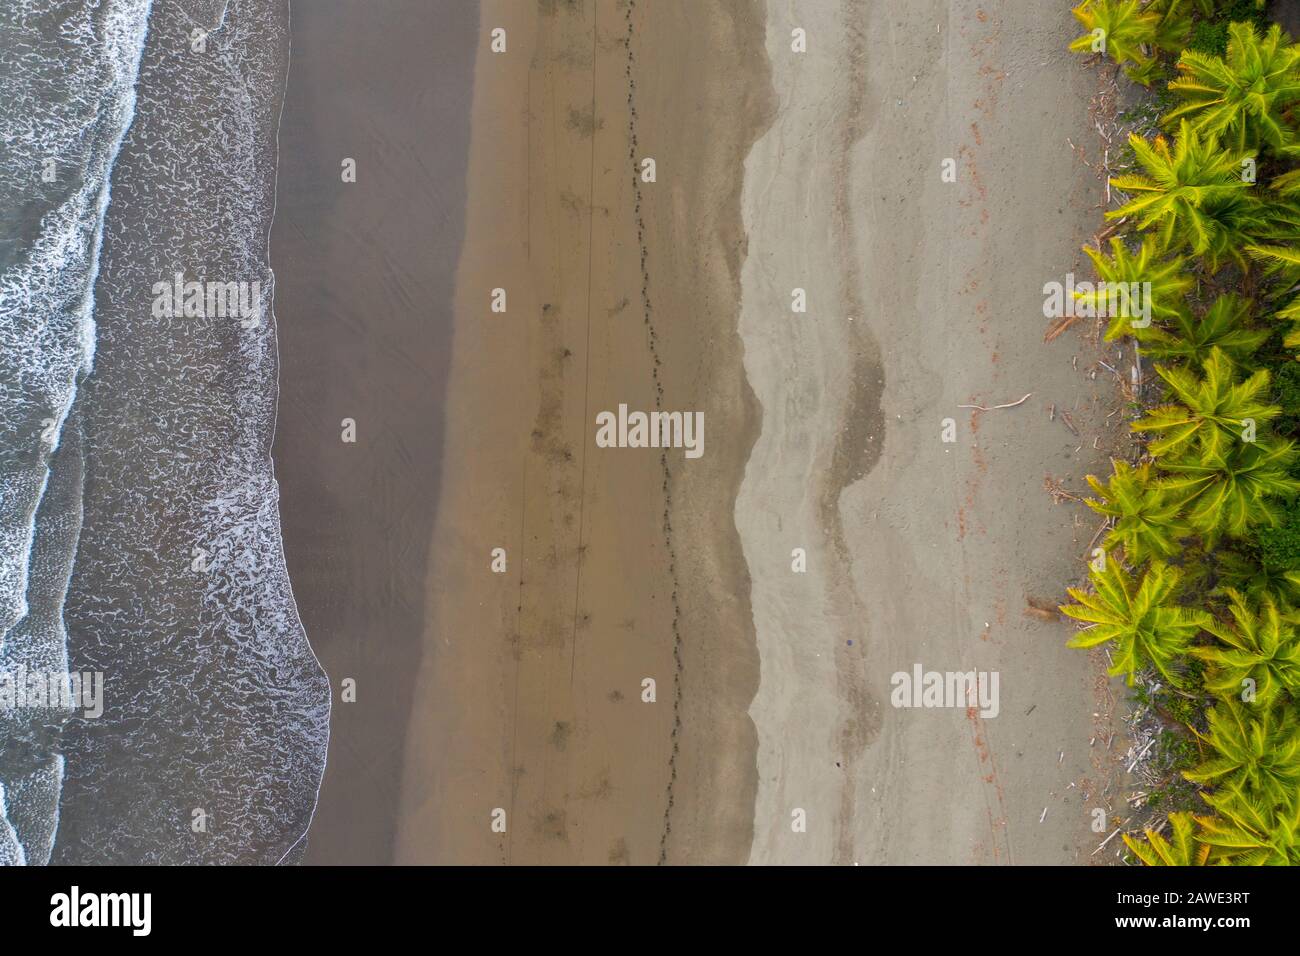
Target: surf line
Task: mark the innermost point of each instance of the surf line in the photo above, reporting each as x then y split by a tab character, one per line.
626	429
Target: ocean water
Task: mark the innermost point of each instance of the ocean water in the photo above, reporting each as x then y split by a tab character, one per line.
139	522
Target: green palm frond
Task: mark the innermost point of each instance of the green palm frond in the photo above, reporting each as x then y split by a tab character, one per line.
1139	616
1126	32
1193	196
1287	185
1209	411
1253	748
1226	326
1276	258
1242	97
1242	572
1182	850
1260	647
1146	521
1275	245
1277	250
1161	285
1249	831
1231	490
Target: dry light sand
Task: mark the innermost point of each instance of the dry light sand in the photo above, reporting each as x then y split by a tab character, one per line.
923	295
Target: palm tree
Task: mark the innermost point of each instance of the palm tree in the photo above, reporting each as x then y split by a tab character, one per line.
1241	98
1290	311
1277	257
1225	325
1253	748
1261	647
1276	246
1211	411
1173	27
1164	284
1140	617
1146	519
1127	31
1230	490
1249	831
1194	195
1183	850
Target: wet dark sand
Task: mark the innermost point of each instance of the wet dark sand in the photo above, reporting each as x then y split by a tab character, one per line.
364	283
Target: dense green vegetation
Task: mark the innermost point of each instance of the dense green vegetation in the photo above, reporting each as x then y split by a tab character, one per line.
1196	593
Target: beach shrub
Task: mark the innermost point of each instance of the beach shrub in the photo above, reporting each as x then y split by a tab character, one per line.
1278	547
1210	35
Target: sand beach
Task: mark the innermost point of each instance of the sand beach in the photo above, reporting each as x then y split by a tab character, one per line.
503	588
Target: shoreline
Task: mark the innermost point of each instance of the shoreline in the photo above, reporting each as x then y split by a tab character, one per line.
298	849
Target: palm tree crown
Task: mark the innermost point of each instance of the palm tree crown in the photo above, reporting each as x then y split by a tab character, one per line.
1146	517
1232	489
1139	616
1193	194
1129	32
1210	411
1166	283
1241	98
1262	652
1254	748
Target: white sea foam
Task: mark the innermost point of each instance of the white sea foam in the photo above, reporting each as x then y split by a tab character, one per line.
11	851
67	93
214	700
210	681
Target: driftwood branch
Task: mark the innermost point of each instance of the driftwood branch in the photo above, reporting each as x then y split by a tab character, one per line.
1059	326
1108	839
995	407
